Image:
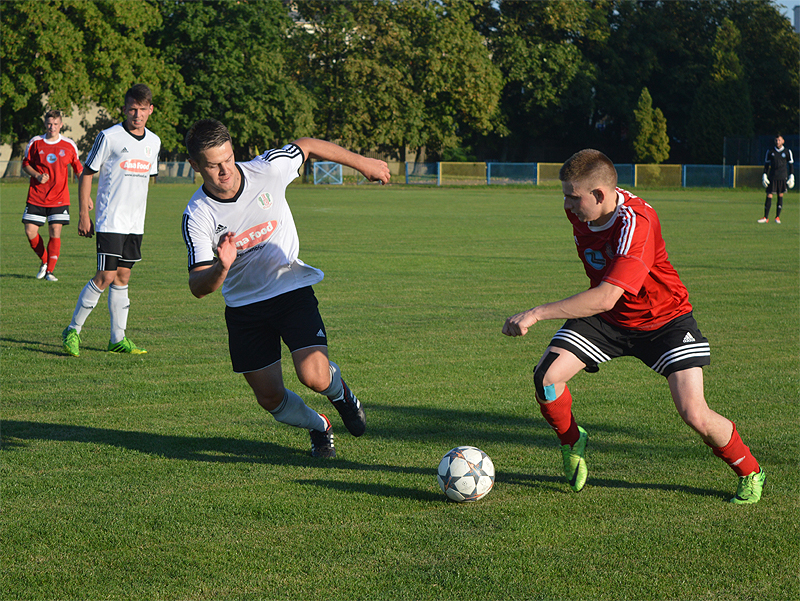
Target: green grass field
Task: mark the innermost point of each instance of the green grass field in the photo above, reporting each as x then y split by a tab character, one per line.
159	477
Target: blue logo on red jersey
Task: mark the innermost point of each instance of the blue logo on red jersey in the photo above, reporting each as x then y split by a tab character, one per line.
595	258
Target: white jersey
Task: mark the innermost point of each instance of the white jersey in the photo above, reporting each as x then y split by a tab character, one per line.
267	244
125	163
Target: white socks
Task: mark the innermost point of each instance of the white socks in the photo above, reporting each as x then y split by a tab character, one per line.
335	392
294	412
87	300
118	306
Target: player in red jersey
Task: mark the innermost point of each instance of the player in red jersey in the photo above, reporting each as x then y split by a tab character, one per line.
637	306
46	160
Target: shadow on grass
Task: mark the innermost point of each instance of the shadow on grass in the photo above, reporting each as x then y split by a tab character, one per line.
37	346
217	449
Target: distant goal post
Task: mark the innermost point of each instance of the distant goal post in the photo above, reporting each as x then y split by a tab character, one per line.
327	173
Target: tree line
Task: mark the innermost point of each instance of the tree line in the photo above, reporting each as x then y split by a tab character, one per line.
502	80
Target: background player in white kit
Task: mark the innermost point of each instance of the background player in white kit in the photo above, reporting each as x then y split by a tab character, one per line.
126	156
240	236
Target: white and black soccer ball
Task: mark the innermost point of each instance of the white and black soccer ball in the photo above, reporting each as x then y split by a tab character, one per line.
465	474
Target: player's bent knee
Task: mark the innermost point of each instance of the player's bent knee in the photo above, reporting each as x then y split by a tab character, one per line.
315	381
696	420
272	401
545	392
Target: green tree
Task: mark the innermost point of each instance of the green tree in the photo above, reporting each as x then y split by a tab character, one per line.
231	54
771	64
547	94
649	132
72	53
667	47
722	106
396	74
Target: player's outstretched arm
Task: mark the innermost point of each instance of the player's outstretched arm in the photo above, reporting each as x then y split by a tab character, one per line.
373	169
584	304
206	279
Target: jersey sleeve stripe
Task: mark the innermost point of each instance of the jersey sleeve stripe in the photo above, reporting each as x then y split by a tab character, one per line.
628	228
26	156
289	151
187	238
95	148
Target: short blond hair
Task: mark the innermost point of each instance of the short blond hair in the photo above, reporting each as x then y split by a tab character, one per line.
590	166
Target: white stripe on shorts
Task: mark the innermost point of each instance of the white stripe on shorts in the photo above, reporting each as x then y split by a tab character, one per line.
687	351
578	341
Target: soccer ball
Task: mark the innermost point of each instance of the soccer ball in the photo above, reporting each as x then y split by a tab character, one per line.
465	474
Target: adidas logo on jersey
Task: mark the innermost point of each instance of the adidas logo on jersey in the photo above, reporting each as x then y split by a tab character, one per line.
220	228
124	149
688	338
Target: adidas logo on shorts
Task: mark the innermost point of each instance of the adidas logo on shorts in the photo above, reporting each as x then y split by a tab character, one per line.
688	338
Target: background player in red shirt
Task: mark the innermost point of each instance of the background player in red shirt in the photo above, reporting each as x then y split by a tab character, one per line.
46	160
636	306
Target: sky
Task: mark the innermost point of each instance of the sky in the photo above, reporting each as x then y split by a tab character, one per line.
786	8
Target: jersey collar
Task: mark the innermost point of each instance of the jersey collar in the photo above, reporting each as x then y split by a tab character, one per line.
610	222
235	196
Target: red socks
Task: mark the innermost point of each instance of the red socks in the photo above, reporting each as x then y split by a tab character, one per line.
737	455
558	414
49	256
53	249
37	244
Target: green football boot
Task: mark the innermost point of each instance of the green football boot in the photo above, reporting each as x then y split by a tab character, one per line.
72	342
750	487
575	469
125	346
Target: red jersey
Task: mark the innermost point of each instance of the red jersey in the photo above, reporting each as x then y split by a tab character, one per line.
629	252
52	158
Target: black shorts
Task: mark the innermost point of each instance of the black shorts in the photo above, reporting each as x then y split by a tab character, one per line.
118	250
255	331
673	347
777	186
37	215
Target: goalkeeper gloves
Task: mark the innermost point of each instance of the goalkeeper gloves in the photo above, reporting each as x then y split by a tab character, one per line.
790	181
765	180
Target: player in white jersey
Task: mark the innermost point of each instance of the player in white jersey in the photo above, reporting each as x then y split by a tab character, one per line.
125	156
241	237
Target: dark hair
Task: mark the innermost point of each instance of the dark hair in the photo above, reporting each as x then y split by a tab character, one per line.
206	133
590	165
53	114
139	93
